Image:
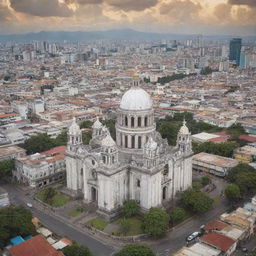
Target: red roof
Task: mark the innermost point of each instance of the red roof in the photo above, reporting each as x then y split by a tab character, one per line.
248	138
56	150
8	115
218	240
35	246
215	225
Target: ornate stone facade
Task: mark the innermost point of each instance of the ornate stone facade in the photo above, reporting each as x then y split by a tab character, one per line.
140	165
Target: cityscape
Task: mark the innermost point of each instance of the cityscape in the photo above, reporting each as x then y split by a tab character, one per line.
127	128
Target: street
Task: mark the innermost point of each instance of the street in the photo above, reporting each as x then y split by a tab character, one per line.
163	247
57	226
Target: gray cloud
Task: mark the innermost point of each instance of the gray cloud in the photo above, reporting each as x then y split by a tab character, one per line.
42	8
251	3
132	5
180	11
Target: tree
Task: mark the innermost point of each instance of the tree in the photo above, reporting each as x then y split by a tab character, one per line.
177	215
205	180
156	222
232	192
222	149
111	126
196	201
236	130
135	250
61	139
130	208
86	124
240	168
76	250
206	71
38	143
15	221
48	194
6	168
125	225
86	137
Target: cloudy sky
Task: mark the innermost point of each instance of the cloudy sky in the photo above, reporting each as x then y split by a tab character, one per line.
236	17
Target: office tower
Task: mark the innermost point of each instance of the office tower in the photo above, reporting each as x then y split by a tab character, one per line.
235	50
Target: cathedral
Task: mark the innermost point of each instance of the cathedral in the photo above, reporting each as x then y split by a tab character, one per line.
139	165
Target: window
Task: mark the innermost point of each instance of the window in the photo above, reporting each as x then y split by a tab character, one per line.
126	121
132	121
81	171
146	121
133	141
139	142
139	121
138	183
126	142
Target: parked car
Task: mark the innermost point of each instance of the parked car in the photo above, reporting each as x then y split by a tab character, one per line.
193	236
29	205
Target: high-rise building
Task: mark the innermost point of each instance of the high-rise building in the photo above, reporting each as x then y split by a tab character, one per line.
235	50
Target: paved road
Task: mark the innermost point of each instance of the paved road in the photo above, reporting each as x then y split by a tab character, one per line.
57	226
171	243
177	238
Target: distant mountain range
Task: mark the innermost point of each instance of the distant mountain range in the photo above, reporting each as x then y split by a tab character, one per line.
121	34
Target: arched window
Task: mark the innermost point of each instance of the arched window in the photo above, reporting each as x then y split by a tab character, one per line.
104	159
81	171
139	142
126	142
138	183
113	159
164	192
146	121
126	121
132	121
133	141
139	121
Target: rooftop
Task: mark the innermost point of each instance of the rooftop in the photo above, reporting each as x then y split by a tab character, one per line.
215	160
218	240
36	246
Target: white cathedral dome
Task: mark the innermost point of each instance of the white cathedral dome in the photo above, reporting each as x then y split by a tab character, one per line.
97	124
74	128
136	99
108	141
184	129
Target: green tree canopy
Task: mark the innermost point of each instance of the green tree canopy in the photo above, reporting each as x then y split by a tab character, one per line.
111	126
177	215
222	149
232	192
156	222
240	168
15	221
38	143
6	168
61	139
130	208
205	180
196	201
86	124
135	250
76	250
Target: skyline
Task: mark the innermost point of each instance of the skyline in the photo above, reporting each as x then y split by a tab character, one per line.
232	17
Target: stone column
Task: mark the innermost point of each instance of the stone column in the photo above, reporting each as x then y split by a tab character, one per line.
136	141
129	141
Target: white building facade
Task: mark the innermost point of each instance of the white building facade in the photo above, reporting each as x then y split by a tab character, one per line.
139	166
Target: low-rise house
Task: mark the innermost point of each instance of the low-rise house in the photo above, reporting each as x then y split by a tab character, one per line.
220	242
11	152
214	164
41	169
246	154
35	246
242	219
198	249
204	137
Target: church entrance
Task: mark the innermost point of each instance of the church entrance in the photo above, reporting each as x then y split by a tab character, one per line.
164	192
94	194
